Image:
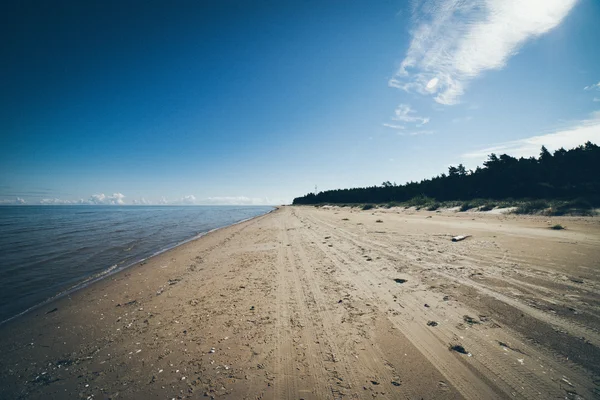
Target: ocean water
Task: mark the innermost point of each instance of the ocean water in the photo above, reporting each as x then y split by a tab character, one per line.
46	251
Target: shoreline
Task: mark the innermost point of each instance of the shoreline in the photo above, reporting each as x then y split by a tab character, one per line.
115	269
325	303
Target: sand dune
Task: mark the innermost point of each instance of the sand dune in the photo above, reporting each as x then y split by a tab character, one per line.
329	303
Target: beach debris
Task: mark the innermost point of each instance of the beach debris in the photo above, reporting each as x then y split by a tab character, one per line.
174	281
566	381
400	280
459	349
379	221
374	382
507	346
427	305
470	320
432	323
212	350
160	290
395	383
446	298
55	309
252	308
459	238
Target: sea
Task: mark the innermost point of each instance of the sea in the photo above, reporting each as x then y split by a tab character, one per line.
49	251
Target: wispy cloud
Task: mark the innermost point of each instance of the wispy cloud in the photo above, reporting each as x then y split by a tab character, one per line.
95	199
186	200
595	86
240	200
454	41
596	99
56	202
579	133
118	199
115	199
17	201
392	126
141	201
405	113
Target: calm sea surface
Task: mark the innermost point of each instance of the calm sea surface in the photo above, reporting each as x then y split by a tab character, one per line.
49	250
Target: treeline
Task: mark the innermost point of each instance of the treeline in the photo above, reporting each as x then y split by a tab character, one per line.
566	174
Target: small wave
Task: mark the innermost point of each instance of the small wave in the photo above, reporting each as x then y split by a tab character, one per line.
121	264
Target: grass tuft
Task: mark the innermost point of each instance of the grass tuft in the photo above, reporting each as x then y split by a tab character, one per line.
466	206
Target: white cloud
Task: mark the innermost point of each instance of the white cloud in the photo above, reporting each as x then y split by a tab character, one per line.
118	199
405	113
141	201
56	201
115	199
596	99
186	200
16	201
578	134
394	126
454	41
595	86
240	200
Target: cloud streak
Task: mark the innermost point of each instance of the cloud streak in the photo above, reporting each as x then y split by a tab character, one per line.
16	201
404	113
100	199
240	200
118	199
392	126
595	86
579	133
455	41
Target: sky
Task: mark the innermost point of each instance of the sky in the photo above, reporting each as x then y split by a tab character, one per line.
239	102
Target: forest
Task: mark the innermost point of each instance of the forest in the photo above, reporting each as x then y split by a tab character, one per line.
567	175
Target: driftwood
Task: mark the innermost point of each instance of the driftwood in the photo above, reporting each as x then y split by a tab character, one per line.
460	237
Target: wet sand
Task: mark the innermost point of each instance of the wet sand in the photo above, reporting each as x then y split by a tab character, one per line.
329	303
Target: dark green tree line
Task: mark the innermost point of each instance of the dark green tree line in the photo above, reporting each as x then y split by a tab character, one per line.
566	174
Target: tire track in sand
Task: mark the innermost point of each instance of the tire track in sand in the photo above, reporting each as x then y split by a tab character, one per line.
299	368
522	382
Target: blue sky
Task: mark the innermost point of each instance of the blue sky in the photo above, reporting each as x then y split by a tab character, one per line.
257	102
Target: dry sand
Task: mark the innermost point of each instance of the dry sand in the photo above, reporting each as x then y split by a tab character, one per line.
308	303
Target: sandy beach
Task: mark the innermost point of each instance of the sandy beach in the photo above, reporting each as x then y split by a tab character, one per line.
329	303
